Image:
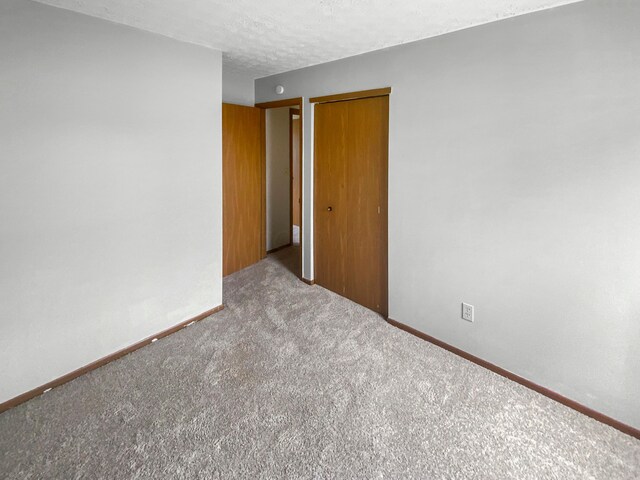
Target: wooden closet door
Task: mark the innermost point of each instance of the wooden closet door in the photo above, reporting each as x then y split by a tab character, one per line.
367	153
330	206
241	187
350	213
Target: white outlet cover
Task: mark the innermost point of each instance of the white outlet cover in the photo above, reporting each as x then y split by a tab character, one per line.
467	312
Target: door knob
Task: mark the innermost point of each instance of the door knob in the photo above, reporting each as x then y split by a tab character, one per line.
329	209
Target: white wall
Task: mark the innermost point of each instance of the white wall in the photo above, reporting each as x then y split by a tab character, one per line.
513	185
110	193
237	88
278	177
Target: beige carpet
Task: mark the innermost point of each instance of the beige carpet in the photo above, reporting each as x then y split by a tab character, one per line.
292	381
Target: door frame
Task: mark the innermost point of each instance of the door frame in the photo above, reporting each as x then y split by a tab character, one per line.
342	97
264	106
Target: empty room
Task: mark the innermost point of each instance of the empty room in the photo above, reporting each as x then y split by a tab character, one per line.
320	239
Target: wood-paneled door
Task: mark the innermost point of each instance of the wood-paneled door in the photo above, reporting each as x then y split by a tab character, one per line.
242	187
350	192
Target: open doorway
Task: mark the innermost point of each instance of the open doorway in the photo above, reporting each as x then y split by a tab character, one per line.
296	175
278	173
282	182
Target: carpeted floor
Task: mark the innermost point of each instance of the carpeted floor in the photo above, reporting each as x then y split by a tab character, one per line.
292	381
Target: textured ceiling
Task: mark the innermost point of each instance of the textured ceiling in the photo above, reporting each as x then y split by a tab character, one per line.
260	37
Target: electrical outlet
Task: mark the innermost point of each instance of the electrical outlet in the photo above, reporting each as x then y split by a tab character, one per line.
467	312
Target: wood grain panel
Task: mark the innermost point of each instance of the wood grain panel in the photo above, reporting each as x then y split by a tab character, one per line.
367	200
376	92
330	207
287	102
351	165
241	186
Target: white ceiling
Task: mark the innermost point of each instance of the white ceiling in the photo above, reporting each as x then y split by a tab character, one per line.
260	37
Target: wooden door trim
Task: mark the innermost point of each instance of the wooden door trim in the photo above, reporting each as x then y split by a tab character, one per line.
263	181
300	159
289	102
376	92
291	110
